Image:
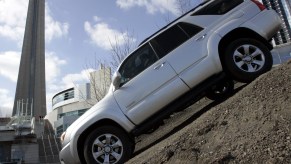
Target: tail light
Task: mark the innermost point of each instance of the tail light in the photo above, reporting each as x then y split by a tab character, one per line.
259	4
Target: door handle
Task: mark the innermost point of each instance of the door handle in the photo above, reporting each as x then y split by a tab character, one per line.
159	66
201	37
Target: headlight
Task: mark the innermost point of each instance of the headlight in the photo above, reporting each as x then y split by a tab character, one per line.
63	137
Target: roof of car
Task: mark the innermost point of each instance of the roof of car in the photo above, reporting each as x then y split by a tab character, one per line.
169	24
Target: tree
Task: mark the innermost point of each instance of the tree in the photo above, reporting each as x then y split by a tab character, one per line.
99	76
100	81
183	6
99	72
120	48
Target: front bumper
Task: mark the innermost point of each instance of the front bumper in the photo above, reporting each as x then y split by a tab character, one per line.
66	156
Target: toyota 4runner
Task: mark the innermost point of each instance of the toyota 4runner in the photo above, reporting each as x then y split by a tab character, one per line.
198	54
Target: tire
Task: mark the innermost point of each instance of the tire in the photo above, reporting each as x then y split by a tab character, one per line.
245	59
108	144
221	91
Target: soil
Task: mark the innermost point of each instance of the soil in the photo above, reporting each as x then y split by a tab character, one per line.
252	126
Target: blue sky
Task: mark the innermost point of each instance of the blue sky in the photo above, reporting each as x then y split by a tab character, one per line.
77	32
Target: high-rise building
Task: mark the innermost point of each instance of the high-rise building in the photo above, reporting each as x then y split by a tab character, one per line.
282	7
31	76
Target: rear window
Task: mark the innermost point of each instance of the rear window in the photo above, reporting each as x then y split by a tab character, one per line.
170	39
190	29
218	7
174	37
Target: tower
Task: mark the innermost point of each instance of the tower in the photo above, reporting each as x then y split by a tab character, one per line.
30	87
281	7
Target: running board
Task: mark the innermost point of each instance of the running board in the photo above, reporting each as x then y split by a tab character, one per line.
181	103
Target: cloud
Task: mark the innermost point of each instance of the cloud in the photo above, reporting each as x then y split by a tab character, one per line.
13	18
53	72
6	103
97	19
103	36
53	28
70	80
9	65
53	67
152	6
55	80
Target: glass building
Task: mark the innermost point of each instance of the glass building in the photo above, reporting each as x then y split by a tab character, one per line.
69	104
282	7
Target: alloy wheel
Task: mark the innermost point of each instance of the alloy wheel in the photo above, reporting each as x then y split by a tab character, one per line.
107	148
249	58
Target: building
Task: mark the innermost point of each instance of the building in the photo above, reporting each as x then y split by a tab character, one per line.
70	104
21	145
100	81
21	137
31	76
282	7
67	106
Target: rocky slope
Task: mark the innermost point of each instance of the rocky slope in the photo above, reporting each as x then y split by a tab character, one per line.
253	126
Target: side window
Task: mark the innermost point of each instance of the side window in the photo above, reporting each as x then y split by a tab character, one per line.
137	62
174	37
190	29
218	7
169	40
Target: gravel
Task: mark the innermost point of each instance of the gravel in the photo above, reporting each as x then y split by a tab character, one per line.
252	126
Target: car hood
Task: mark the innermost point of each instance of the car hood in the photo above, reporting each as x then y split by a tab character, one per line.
108	102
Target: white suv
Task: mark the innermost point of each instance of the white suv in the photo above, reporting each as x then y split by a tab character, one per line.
198	54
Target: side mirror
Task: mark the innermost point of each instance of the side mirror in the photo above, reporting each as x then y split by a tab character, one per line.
116	80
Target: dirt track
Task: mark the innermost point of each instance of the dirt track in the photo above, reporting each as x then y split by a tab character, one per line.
253	126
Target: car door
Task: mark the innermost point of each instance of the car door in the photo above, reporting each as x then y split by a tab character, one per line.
183	46
147	84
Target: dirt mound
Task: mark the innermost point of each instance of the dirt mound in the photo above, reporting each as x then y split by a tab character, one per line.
253	126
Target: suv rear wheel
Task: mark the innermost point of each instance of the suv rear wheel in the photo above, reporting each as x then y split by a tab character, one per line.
107	144
246	59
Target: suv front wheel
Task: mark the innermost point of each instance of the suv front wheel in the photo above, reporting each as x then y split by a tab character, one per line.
222	90
107	144
246	59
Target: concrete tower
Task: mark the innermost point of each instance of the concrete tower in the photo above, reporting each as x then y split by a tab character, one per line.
31	76
281	7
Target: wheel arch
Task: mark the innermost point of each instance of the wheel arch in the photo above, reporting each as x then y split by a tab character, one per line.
237	33
82	138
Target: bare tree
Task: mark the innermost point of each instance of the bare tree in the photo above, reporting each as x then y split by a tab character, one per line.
121	47
100	81
99	71
183	6
99	76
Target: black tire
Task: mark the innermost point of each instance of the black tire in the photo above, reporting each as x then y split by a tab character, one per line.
108	144
245	59
221	91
